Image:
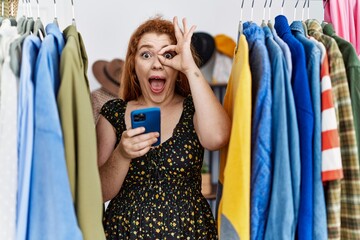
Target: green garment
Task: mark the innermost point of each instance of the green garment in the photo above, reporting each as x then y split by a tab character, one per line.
80	136
352	66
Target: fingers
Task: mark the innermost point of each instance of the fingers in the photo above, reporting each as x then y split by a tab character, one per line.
184	25
170	48
134	143
178	32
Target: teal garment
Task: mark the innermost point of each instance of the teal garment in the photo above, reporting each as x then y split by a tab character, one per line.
352	66
285	156
313	54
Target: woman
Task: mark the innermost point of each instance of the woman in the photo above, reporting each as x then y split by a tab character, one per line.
156	191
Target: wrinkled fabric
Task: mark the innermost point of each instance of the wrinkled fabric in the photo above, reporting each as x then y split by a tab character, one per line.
51	209
305	117
26	123
261	164
233	194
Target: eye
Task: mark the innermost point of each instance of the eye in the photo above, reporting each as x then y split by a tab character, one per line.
169	55
146	55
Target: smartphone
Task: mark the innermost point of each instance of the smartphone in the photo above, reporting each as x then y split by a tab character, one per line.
148	118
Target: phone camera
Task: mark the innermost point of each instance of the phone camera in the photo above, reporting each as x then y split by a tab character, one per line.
139	117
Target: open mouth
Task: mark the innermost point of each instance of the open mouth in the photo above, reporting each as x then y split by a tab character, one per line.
157	84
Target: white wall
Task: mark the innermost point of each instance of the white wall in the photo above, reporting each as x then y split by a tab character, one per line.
106	25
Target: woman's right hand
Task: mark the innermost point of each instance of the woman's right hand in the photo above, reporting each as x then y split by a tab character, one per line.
135	143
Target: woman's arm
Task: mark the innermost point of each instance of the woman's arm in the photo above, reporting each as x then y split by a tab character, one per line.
114	161
212	123
112	168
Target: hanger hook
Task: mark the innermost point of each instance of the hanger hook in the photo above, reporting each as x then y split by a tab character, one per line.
297	2
282	7
252	10
295	8
264	9
73	12
241	10
38	9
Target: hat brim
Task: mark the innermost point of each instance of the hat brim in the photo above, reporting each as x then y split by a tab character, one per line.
98	71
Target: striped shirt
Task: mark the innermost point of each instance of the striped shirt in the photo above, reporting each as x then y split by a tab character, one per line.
331	155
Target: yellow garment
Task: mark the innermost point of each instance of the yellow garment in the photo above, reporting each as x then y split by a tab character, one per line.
234	207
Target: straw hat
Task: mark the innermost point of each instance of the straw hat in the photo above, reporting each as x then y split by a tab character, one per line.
108	74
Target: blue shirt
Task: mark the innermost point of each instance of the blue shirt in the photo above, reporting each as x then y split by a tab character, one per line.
313	55
261	164
285	140
52	213
305	117
30	51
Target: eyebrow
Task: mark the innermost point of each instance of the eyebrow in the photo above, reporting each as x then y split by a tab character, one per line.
150	46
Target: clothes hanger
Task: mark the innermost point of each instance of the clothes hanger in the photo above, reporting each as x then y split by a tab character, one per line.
303	10
39	27
264	13
269	21
30	21
55	15
252	11
302	17
73	13
240	26
297	2
308	9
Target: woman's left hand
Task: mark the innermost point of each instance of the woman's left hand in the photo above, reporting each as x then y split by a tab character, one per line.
183	61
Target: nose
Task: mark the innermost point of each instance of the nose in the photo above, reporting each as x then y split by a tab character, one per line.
157	64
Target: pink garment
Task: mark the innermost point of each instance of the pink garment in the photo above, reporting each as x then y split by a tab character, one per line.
344	16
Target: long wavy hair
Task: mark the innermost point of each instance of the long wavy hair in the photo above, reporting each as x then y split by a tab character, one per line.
131	86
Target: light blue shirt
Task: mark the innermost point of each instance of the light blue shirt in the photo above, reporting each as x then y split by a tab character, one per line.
30	51
313	55
261	164
305	117
285	140
285	49
52	214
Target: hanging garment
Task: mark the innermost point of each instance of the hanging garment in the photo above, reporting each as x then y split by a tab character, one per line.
341	194
79	136
8	134
233	196
312	57
51	210
345	16
261	164
352	66
285	150
25	121
284	47
16	47
305	117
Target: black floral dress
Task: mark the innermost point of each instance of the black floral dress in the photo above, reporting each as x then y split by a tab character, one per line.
161	195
